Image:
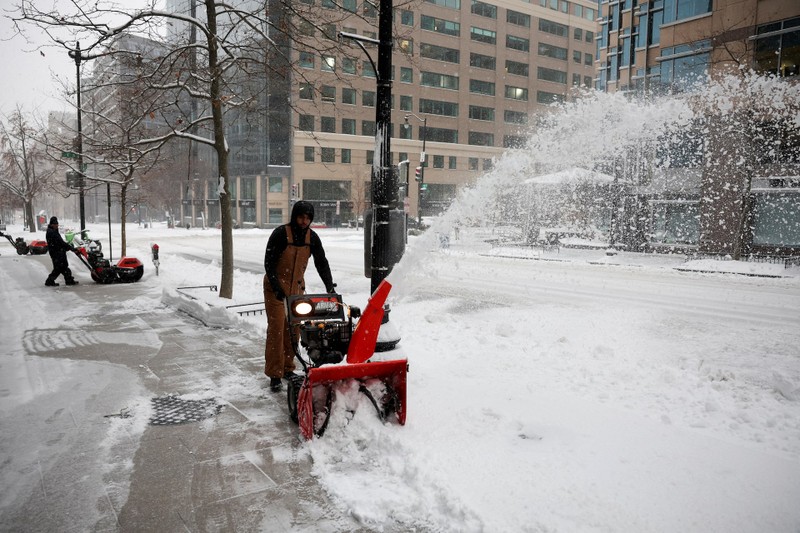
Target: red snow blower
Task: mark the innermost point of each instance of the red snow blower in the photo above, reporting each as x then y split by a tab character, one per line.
328	334
127	269
23	248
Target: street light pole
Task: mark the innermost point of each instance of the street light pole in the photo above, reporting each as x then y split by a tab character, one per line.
422	163
76	55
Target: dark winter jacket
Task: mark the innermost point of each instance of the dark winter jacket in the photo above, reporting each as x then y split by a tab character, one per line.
279	241
57	247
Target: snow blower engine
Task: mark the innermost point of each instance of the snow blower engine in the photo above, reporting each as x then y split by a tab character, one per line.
329	335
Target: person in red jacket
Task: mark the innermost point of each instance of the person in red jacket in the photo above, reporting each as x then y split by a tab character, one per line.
288	250
57	247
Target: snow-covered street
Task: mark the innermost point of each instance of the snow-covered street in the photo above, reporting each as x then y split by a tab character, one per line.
573	392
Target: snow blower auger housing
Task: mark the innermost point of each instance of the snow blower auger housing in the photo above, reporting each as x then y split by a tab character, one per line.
338	349
127	269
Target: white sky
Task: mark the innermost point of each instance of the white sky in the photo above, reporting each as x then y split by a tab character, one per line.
27	72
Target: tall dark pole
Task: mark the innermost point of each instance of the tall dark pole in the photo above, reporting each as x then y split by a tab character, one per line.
385	195
422	163
76	55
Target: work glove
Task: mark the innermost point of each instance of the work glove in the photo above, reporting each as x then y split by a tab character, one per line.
279	294
331	289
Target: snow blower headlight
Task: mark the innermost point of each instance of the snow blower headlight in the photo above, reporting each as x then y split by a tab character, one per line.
303	308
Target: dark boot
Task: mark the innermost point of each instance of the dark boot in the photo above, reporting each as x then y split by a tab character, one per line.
50	283
275	384
70	282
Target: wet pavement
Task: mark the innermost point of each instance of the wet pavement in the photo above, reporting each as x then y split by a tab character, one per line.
79	368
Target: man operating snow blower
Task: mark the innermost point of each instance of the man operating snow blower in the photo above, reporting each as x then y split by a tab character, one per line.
57	247
288	250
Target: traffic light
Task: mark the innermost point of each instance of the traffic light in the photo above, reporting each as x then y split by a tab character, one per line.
295	190
418	173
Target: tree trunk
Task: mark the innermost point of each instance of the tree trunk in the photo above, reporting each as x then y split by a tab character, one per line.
29	218
226	283
123	216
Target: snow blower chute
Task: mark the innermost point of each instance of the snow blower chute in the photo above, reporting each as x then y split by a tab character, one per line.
127	269
329	335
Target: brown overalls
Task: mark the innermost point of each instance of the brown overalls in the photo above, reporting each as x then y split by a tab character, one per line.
279	353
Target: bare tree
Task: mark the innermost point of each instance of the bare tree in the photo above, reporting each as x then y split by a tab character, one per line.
24	171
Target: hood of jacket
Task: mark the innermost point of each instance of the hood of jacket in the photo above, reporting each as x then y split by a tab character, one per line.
301	207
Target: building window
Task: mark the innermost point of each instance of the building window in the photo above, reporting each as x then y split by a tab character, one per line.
438	161
675	222
482	61
472	163
576	56
684	66
406	103
308	154
576	80
517	68
327	124
777	48
406	75
515	117
348	65
577	33
483	9
520	19
481	87
328	63
451	162
307	60
553	28
306	123
516	93
442	81
367	70
405	46
275	215
487	164
348	96
349	126
483	35
368	128
438	107
518	43
588	59
328	93
453	4
328	155
549	74
275	184
439	53
514	141
684	9
479	138
776	219
406	17
306	91
370	156
443	135
481	113
587	81
326	190
368	98
346	155
405	133
544	97
446	27
556	52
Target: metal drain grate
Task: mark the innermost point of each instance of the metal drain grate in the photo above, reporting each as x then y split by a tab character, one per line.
172	409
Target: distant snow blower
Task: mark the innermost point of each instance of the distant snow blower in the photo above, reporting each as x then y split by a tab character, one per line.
23	248
329	334
127	269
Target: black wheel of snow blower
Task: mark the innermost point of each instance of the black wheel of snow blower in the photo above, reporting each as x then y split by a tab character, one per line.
292	391
139	272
